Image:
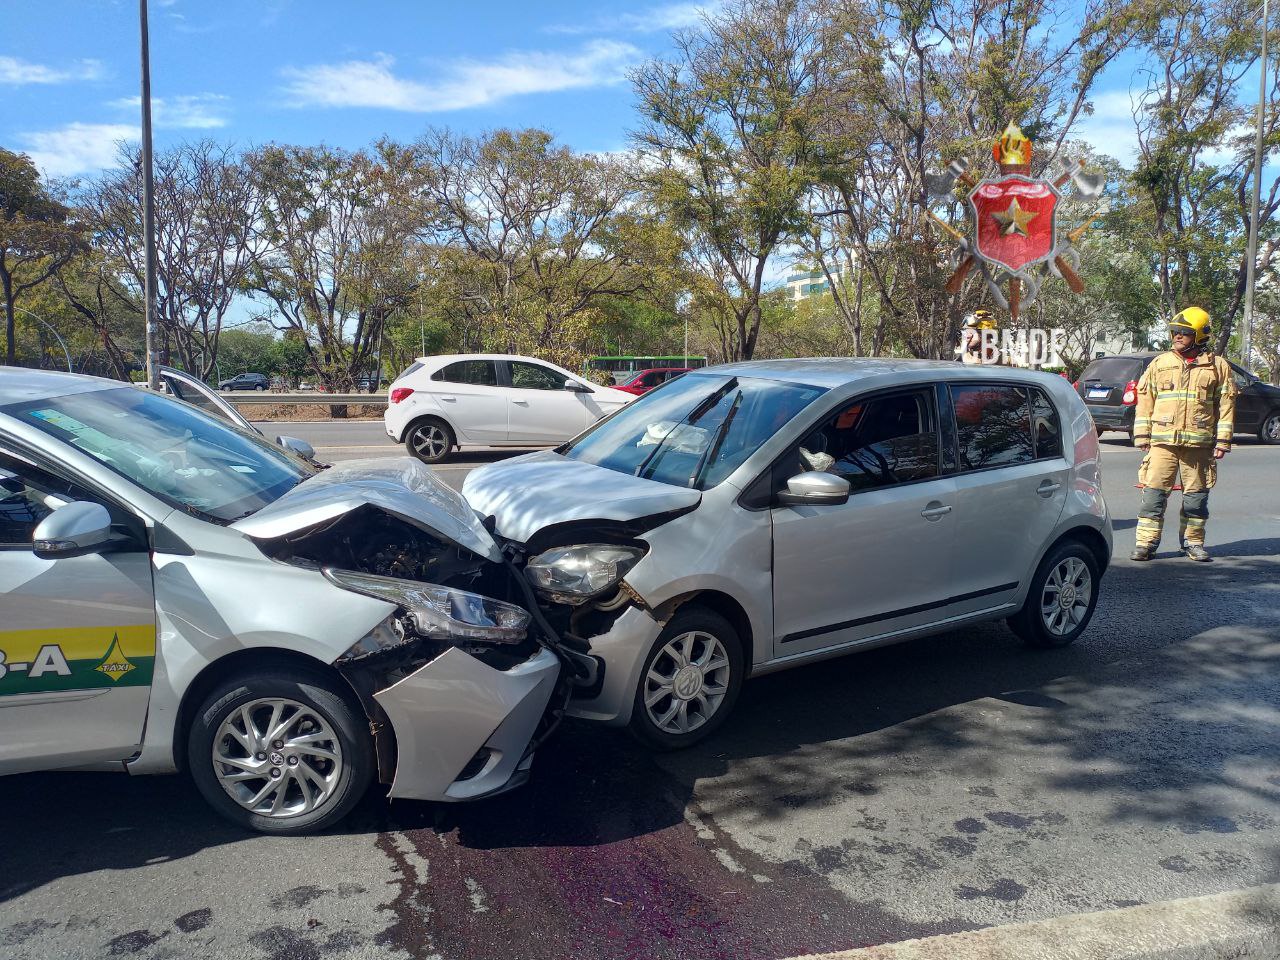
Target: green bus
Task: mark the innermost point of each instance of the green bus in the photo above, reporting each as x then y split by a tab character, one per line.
623	368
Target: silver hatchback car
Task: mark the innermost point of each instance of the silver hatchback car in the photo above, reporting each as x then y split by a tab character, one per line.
751	517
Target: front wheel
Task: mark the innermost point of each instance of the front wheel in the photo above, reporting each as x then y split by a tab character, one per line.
431	441
280	751
689	682
1062	597
1269	432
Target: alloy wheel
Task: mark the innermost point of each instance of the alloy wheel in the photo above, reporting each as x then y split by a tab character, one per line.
1064	603
687	682
277	758
430	442
1271	428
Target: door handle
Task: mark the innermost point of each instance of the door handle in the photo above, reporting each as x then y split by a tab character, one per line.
449	399
935	511
1048	488
521	403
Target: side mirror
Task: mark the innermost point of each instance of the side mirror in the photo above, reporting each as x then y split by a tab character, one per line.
74	529
575	386
815	489
300	447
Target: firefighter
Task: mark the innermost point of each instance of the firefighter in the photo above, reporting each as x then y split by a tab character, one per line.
1186	409
971	344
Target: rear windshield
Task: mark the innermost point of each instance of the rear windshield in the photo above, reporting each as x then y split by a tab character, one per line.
1113	369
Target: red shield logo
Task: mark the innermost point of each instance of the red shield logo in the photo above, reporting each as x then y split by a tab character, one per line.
1016	220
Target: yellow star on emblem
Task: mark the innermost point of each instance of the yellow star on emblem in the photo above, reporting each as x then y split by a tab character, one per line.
1015	219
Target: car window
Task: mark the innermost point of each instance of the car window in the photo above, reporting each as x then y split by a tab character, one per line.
28	495
411	368
695	431
532	376
876	442
170	449
480	373
1046	425
993	425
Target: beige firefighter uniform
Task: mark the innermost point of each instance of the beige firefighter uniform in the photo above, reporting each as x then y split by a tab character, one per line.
1185	411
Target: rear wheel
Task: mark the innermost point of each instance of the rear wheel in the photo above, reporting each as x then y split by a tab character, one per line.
1269	432
1062	597
689	682
431	441
259	387
281	751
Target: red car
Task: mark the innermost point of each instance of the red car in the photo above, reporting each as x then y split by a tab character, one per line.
646	380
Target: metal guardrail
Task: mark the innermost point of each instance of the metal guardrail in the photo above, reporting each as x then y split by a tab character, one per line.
266	397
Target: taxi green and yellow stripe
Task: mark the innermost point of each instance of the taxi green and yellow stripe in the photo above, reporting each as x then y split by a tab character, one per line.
80	658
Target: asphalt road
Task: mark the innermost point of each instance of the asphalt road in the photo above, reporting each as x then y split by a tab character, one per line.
949	783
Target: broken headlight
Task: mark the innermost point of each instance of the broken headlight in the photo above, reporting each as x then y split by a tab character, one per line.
441	613
576	574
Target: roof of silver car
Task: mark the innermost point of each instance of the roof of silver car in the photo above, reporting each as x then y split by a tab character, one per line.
838	371
18	384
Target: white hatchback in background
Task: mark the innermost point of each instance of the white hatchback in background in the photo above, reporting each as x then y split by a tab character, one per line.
495	400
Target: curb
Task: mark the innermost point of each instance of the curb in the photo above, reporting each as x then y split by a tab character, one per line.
1225	926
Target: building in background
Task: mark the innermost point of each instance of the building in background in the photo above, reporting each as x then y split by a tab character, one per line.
810	283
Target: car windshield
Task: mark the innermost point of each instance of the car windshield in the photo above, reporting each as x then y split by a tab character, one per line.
694	431
1119	369
171	449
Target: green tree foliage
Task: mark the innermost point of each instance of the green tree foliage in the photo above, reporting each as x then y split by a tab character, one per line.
335	264
1197	147
735	131
37	236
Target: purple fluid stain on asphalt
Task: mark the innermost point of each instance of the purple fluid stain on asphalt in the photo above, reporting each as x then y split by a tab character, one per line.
601	865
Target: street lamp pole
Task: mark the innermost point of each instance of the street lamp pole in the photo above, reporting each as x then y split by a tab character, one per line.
62	343
148	203
1252	251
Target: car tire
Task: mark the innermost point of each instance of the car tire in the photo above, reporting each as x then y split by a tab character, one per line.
225	389
698	651
1269	430
259	388
1051	617
430	440
1128	437
309	703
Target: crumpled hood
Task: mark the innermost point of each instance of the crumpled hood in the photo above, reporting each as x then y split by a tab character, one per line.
401	486
527	494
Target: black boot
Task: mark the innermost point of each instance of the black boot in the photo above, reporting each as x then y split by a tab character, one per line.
1143	551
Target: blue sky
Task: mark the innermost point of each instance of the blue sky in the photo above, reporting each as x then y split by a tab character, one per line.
345	73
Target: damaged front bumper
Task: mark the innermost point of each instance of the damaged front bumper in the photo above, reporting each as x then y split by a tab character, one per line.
463	729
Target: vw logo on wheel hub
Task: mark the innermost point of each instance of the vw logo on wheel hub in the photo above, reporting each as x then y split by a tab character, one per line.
687	683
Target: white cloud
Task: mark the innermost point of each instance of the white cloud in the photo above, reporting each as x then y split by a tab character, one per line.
463	83
17	73
671	16
201	111
1110	129
76	148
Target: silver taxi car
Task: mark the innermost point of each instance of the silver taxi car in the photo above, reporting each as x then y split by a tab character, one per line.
179	593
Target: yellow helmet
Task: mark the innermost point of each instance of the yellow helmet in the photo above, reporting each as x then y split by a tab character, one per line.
982	319
1194	321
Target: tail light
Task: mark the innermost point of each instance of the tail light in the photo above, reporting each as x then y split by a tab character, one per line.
400	393
1075	385
1130	393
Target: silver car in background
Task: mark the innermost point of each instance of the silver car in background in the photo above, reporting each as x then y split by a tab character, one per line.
179	593
756	516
